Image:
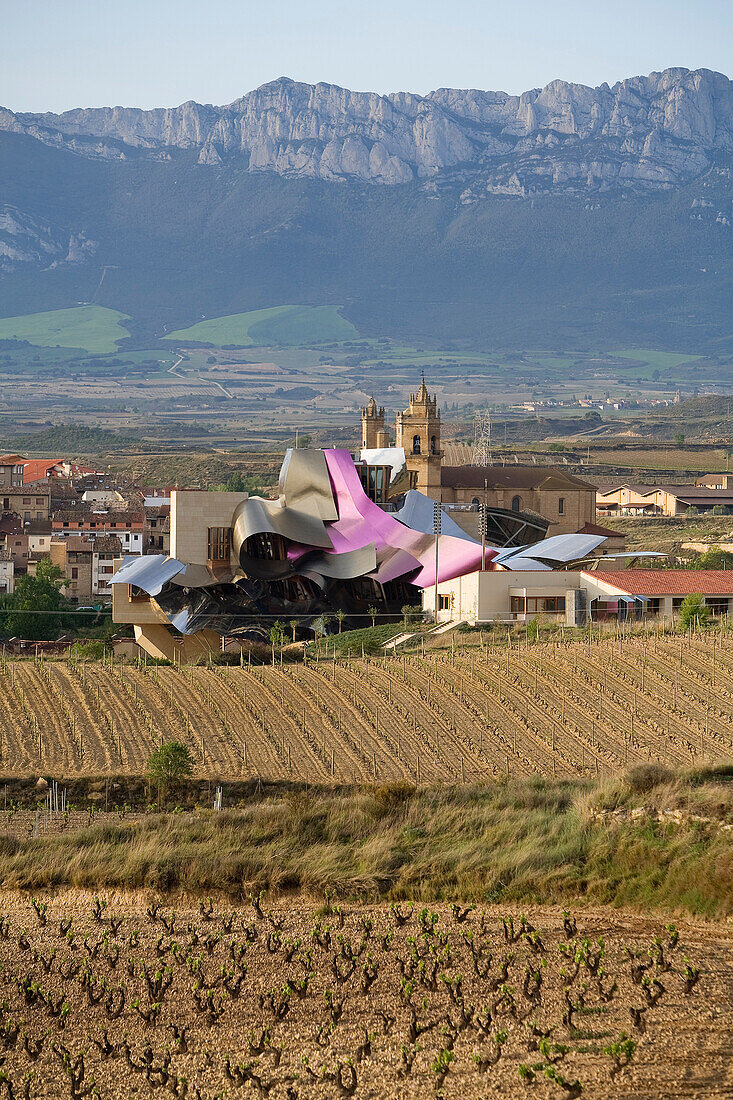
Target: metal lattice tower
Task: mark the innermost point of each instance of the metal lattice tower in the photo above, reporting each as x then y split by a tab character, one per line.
481	455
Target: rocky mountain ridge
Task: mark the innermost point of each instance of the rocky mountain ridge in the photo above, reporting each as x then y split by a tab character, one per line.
646	133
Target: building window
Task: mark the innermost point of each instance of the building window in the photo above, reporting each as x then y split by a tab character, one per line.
39	515
75	573
545	604
516	504
6	504
26	500
561	506
375	482
537	605
39	500
433	445
416	444
27	517
219	543
444	601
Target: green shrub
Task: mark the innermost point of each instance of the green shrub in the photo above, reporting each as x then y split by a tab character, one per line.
694	612
170	763
93	650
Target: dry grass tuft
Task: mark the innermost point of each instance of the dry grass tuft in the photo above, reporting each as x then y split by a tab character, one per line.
658	847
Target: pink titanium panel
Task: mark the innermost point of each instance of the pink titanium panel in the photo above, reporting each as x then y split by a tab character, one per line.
361	521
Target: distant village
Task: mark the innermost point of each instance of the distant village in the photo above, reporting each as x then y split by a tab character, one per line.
87	520
82	518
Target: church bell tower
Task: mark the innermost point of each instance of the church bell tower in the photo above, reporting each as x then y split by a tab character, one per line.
372	426
418	432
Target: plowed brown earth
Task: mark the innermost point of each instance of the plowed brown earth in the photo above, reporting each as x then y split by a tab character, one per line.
554	709
201	1000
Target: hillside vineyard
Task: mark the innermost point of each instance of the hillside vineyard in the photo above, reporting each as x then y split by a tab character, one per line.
566	710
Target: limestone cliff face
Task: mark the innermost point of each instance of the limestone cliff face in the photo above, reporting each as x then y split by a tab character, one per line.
24	240
649	133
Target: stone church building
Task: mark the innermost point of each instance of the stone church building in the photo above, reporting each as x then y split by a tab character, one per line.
565	501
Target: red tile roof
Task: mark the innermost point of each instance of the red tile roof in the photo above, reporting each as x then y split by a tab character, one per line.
34	469
594	529
669	582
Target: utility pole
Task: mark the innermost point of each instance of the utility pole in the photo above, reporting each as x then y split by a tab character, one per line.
436	527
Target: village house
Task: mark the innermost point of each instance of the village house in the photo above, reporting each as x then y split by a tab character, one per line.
156	530
7	573
86	565
128	526
661	500
576	596
30	502
11	472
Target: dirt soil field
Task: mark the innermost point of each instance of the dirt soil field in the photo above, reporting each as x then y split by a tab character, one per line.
128	996
560	709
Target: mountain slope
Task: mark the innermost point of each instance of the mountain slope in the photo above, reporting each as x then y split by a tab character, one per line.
647	132
567	216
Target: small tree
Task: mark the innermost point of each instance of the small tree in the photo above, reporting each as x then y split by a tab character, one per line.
714	558
169	764
36	604
340	615
694	612
294	624
410	614
236	483
372	612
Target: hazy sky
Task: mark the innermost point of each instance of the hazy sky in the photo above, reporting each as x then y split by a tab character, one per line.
57	54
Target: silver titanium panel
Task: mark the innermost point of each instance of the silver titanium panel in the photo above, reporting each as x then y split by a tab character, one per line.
150	573
417	513
305	485
256	516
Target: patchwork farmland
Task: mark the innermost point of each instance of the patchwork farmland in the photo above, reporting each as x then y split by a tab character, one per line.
580	708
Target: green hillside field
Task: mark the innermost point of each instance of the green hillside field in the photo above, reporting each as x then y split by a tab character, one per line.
94	328
292	326
666	362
